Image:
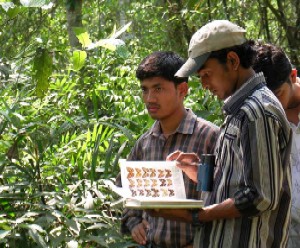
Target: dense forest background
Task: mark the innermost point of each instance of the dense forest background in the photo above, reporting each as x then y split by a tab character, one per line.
70	105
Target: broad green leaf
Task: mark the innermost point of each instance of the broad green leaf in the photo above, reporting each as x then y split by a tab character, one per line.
37	238
7	5
34	3
82	36
10	8
73	225
13	12
99	240
123	52
35	227
97	226
4	233
78	59
110	44
42	70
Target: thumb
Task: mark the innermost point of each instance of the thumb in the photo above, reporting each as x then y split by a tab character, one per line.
146	224
173	156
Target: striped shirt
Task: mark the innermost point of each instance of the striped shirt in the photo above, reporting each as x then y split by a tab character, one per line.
294	235
253	168
192	135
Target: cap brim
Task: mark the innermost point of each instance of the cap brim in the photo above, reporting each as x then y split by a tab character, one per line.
192	65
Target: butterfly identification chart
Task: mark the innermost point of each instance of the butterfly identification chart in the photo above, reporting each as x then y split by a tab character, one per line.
154	184
152	179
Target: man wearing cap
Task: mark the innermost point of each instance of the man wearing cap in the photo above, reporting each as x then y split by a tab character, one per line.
250	203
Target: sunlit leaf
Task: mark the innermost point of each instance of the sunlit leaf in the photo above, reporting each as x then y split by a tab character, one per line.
121	31
110	44
4	233
34	3
7	5
82	36
72	244
78	59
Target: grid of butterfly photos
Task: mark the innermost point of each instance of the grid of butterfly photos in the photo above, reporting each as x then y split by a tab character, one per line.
151	181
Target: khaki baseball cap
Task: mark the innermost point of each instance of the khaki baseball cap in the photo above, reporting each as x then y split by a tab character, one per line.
213	36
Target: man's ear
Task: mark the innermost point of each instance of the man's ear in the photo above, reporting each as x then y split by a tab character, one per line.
293	76
183	89
233	60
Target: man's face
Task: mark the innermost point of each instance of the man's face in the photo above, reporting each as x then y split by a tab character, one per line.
284	94
161	98
219	79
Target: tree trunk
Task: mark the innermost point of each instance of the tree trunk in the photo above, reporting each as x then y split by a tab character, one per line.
209	8
226	9
265	22
292	32
74	19
178	31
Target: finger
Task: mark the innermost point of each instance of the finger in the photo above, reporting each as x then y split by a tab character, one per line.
138	239
173	156
192	156
188	158
146	224
139	234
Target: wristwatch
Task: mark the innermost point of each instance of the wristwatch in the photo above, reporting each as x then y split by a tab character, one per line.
195	218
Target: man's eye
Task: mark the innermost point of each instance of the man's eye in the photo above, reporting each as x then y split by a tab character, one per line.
158	89
205	74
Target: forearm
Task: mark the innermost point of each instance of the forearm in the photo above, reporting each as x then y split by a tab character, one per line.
223	210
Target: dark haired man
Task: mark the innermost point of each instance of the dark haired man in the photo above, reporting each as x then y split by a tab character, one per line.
283	81
249	205
176	128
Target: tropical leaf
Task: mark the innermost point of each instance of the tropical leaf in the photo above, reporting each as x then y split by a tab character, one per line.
78	59
42	70
121	31
111	44
82	36
4	233
34	3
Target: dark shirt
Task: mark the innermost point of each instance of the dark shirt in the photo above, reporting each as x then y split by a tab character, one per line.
194	135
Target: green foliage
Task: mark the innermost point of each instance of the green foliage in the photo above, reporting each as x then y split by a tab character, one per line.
204	104
42	70
78	59
34	3
82	36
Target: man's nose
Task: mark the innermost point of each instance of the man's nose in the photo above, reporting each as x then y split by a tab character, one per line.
151	97
204	84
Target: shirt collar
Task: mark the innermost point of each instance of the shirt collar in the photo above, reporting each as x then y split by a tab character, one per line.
186	125
235	101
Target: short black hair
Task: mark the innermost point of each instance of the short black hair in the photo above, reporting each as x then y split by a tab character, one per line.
161	64
274	63
245	51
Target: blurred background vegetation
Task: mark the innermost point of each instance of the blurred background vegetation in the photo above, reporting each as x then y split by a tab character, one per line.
70	104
